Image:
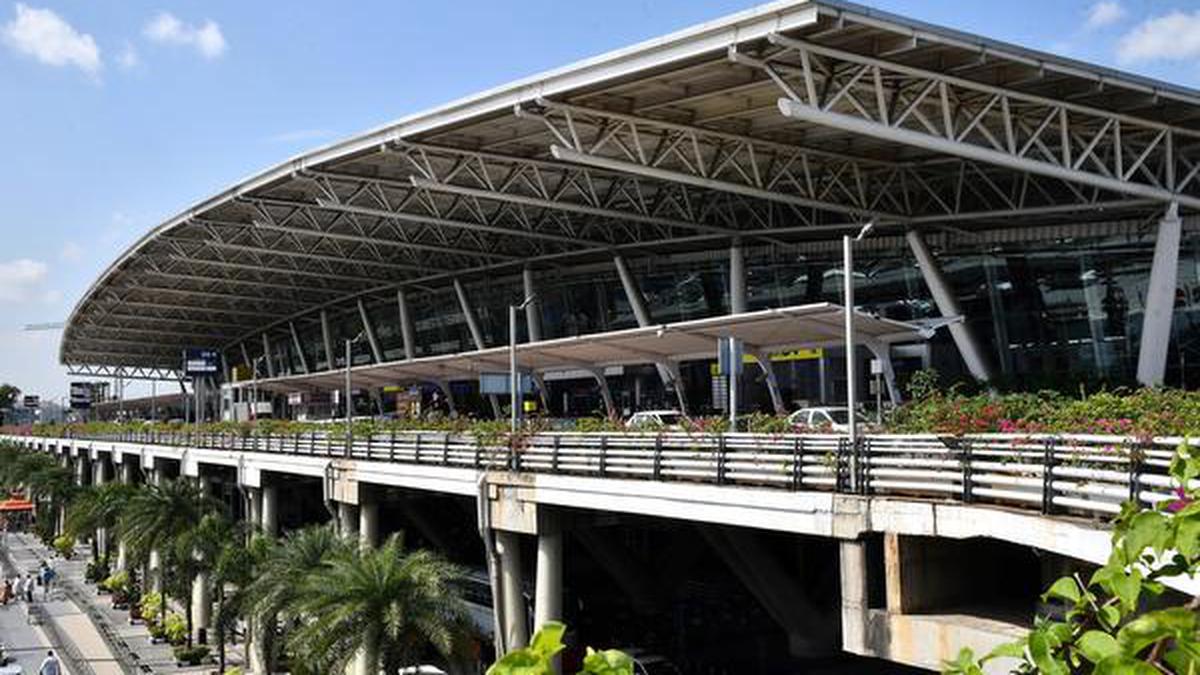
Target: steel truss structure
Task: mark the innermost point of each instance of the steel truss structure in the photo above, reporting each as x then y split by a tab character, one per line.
778	126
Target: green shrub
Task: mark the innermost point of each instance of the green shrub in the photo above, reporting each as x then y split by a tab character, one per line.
65	545
192	656
151	605
175	628
118	582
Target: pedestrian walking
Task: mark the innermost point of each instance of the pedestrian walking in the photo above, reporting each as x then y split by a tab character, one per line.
28	588
6	592
50	665
48	576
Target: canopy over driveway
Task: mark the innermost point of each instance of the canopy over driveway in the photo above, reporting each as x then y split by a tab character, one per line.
763	333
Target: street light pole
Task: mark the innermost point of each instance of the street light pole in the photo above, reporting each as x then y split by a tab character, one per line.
514	378
851	389
349	408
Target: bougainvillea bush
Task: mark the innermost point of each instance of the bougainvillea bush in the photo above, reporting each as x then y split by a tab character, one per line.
1140	412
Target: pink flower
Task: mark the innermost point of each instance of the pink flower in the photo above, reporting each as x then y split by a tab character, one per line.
1181	501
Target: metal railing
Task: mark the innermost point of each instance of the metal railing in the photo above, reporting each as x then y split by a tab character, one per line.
1079	474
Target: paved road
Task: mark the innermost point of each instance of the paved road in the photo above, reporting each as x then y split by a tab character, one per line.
28	644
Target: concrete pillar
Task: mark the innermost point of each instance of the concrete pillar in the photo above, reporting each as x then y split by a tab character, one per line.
853	559
407	331
254	507
947	303
155	562
548	592
99	478
516	632
1160	301
368	524
637	303
476	335
201	591
347	519
125	476
270	511
81	469
376	352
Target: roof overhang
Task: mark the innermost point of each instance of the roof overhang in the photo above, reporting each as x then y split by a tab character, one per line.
780	124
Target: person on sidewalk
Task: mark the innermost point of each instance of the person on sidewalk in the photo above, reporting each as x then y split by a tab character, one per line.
50	665
48	574
6	592
28	588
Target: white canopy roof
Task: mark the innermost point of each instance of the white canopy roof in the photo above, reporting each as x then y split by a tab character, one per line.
768	331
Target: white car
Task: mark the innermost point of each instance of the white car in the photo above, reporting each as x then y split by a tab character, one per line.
671	420
835	418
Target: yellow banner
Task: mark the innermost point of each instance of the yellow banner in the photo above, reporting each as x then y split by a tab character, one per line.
794	355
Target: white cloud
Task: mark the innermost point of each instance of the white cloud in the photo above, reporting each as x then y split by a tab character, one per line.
1104	13
71	252
128	58
207	39
1173	36
21	280
45	36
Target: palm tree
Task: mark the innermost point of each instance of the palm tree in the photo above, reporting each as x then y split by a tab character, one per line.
275	590
165	517
98	508
235	568
387	606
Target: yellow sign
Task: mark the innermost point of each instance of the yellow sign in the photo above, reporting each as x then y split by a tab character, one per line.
793	355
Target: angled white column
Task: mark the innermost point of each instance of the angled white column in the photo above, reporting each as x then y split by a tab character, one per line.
266	342
407	331
376	352
739	304
637	303
476	334
883	352
1160	301
298	346
327	339
947	303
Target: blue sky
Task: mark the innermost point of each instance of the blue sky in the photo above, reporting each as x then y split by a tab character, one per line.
116	115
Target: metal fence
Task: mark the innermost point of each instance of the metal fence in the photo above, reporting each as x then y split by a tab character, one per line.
1079	474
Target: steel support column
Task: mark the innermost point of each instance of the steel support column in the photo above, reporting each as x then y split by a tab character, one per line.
1160	300
947	302
299	347
739	304
327	339
376	352
476	334
407	331
266	342
637	302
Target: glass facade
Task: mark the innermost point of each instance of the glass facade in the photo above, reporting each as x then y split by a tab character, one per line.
1049	312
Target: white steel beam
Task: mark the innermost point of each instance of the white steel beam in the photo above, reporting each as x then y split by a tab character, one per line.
1160	301
298	346
369	329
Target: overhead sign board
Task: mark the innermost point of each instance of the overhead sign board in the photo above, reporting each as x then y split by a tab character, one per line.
31	401
498	383
82	395
201	361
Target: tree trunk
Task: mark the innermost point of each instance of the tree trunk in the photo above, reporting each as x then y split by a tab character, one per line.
188	611
366	661
220	628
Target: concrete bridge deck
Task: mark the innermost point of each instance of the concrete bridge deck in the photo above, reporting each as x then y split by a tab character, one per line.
1052	494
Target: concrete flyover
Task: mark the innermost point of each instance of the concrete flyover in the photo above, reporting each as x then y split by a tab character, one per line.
912	498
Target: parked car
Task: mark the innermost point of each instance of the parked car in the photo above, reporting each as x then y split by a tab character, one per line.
649	420
831	417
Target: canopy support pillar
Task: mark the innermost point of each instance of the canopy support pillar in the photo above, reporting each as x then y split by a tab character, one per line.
476	334
1160	301
637	302
947	303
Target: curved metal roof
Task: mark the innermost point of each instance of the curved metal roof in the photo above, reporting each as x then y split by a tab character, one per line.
780	123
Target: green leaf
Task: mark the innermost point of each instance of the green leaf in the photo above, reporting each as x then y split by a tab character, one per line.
1043	655
963	664
1097	645
521	662
1120	664
1109	617
548	640
1187	535
1148	529
1177	622
607	662
1066	588
1008	650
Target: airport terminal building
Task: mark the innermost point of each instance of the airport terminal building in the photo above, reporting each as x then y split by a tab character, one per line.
1040	210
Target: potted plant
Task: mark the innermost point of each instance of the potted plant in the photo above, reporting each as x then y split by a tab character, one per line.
148	610
65	546
190	656
118	585
175	629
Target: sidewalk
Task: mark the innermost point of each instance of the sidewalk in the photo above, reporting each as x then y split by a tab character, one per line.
62	619
132	641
